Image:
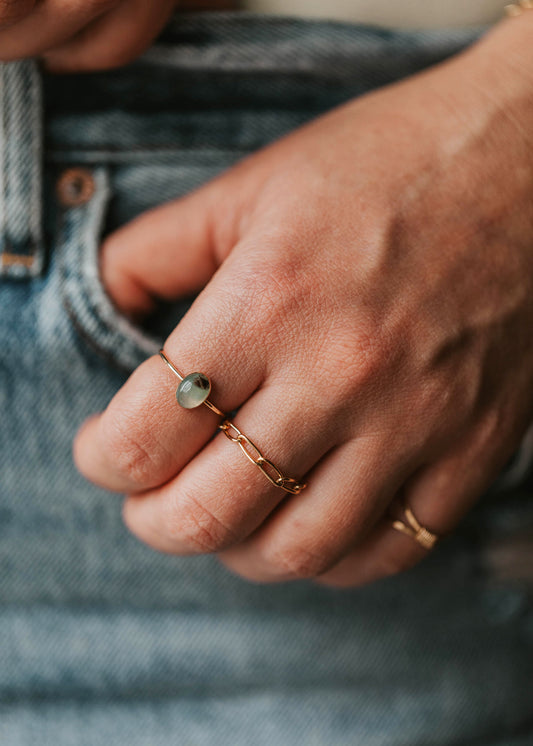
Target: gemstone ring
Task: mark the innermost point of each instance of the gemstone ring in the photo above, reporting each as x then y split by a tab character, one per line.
194	390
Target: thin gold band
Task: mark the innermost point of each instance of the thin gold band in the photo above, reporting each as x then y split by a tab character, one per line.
415	530
247	446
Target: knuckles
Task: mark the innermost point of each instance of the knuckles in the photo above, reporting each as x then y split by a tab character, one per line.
265	290
281	294
298	563
286	562
131	458
132	461
289	309
360	355
195	528
350	369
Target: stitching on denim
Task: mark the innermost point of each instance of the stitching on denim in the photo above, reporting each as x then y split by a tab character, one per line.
20	170
9	260
88	307
36	156
89	341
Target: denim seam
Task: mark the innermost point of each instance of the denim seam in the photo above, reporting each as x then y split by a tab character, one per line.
21	243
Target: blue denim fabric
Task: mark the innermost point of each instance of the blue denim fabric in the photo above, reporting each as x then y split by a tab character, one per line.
21	245
104	641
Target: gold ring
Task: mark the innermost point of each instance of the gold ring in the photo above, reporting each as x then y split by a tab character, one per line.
415	530
193	391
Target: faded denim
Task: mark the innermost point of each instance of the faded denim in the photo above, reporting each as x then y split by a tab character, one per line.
104	642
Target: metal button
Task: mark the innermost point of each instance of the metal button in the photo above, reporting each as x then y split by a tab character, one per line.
75	187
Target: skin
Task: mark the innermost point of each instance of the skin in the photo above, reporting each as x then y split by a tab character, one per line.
80	34
367	300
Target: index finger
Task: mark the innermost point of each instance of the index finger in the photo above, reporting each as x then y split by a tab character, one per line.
144	437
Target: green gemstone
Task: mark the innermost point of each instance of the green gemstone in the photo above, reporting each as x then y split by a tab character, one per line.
193	390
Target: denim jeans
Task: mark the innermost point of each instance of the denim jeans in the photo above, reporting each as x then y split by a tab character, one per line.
105	641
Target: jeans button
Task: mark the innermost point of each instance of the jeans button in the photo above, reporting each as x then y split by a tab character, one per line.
75	187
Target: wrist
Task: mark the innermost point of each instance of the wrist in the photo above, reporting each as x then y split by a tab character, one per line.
493	79
503	58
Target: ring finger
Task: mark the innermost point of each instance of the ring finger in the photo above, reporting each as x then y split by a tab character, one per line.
439	495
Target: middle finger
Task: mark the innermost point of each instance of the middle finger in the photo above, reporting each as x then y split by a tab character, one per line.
144	438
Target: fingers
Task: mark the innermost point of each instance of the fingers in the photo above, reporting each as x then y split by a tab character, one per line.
144	438
220	496
439	496
75	35
165	253
172	250
113	40
385	553
347	494
34	28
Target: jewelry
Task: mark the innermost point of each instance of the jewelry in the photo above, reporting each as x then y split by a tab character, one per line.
416	531
516	9
193	391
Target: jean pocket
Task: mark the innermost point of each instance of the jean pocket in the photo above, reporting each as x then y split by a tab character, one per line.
98	198
84	194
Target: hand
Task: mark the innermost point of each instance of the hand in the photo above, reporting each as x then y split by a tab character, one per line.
80	34
367	301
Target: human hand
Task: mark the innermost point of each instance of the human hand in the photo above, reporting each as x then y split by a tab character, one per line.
367	302
80	35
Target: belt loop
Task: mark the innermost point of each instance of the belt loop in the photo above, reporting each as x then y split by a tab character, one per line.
21	240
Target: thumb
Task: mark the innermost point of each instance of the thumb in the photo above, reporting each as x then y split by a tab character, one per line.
169	251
